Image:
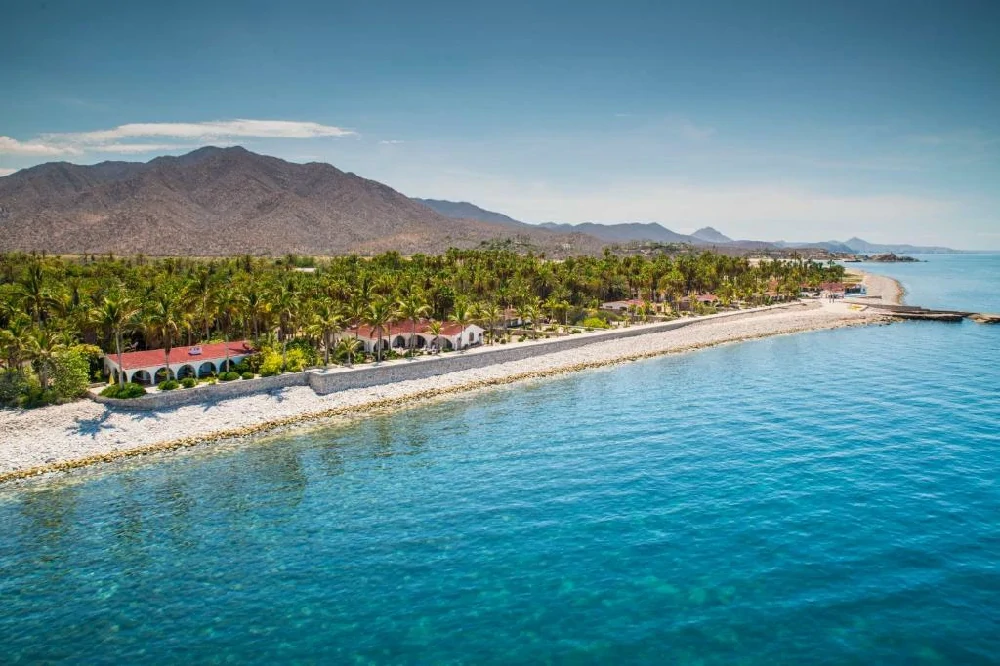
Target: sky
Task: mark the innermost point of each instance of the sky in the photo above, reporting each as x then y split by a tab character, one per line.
805	120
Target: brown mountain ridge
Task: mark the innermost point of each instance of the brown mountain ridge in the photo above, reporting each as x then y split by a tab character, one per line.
225	201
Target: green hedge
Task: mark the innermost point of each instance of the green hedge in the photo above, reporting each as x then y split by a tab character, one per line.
168	385
189	382
124	392
247	375
229	376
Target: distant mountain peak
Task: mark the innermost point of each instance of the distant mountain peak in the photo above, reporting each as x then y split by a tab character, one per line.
712	235
469	211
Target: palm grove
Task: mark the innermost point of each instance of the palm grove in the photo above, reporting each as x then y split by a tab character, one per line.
58	315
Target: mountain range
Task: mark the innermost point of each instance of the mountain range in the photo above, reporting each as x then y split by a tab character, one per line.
630	232
225	201
216	201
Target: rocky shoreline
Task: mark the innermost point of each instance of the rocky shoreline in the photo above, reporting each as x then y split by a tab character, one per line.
67	437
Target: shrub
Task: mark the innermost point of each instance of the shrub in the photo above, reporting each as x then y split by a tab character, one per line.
247	375
70	375
270	363
124	392
595	322
36	397
189	382
295	360
12	387
168	385
243	366
229	376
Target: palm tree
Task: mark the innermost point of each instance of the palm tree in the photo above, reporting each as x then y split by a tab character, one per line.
413	307
346	347
461	315
489	314
44	344
287	307
434	328
116	313
34	295
379	316
164	319
326	322
15	342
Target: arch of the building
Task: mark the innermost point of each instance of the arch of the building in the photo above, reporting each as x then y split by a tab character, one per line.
162	375
445	343
141	377
227	365
205	369
419	341
185	371
399	341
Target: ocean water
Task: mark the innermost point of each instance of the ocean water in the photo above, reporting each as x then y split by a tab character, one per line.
825	498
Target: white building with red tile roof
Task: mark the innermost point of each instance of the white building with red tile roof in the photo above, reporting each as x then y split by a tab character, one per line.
398	335
142	367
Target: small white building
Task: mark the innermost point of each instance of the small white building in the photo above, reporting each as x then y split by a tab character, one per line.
398	335
147	367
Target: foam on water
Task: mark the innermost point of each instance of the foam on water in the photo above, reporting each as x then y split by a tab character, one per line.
822	498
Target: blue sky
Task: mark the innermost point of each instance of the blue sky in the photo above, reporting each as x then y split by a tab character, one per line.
771	120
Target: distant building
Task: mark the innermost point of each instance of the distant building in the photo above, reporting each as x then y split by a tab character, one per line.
398	336
146	367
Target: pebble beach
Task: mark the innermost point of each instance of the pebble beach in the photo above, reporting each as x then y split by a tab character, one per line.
64	437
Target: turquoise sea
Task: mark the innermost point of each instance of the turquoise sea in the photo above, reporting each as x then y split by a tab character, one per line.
826	498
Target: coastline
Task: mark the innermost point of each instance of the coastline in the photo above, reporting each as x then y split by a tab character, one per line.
85	433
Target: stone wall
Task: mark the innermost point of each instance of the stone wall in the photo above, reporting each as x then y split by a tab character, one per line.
363	376
205	392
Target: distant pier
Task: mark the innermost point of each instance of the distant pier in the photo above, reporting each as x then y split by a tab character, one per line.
925	314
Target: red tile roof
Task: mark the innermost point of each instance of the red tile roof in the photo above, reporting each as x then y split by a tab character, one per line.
149	358
404	328
832	286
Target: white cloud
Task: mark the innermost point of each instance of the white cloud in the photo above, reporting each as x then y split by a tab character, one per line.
10	146
138	147
391	142
207	131
7	172
121	139
689	130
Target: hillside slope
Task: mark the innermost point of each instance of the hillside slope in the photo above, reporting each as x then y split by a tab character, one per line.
217	201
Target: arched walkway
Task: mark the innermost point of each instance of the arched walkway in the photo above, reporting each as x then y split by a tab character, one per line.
419	342
185	371
142	377
227	366
162	375
445	343
399	342
205	369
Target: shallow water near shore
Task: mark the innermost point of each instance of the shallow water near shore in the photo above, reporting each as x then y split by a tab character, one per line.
828	497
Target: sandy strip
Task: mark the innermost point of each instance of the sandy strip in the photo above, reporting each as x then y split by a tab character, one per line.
83	433
880	287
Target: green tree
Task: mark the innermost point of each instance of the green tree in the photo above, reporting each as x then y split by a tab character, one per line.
163	319
379	317
117	313
413	307
70	374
